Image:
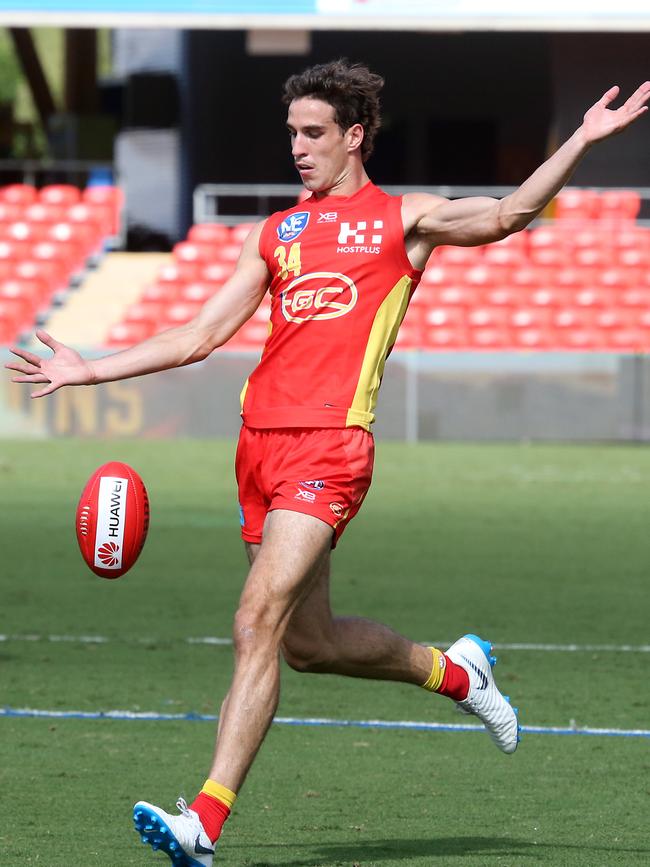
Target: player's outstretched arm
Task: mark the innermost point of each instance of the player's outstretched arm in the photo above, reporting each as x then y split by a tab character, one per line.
472	221
220	317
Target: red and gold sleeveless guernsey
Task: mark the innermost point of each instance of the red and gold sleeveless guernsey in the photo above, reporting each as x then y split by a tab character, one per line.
341	285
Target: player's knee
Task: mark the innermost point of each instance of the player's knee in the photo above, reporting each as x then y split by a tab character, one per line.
254	628
304	654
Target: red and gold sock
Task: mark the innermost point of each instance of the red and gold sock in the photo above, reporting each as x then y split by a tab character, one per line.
213	804
446	677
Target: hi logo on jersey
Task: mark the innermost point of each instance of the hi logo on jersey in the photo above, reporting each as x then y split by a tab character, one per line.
292	226
321	295
356	238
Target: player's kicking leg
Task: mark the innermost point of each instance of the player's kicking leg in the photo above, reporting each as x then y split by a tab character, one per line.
315	641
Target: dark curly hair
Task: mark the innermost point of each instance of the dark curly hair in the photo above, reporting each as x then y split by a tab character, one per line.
350	88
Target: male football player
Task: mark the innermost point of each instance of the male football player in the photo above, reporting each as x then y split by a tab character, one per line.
341	267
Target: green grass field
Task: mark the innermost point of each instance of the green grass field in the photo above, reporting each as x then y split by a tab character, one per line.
523	544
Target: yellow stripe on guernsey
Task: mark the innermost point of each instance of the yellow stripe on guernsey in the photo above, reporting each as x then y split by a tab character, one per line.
242	393
383	335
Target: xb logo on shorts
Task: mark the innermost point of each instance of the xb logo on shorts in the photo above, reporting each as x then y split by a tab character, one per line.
321	295
294	225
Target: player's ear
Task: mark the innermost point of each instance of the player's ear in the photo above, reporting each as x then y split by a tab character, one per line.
354	136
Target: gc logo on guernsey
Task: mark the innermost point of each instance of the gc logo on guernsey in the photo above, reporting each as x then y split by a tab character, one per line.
328	296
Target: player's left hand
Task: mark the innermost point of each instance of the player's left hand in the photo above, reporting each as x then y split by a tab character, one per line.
601	121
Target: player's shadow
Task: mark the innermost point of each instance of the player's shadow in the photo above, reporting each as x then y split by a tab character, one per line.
436	847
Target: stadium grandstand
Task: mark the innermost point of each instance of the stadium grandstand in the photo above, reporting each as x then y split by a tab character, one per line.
106	252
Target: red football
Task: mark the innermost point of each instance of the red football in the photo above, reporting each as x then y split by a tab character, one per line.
112	519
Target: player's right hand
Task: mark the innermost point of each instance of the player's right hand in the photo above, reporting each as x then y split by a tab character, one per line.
65	367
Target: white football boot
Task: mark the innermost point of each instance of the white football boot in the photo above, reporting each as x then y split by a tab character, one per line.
181	837
484	699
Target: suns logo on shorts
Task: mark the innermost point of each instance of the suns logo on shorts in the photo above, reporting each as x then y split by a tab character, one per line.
321	295
292	226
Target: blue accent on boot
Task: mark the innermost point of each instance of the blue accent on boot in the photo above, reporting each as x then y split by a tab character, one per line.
485	646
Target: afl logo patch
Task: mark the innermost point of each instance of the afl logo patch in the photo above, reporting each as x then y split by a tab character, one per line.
294	225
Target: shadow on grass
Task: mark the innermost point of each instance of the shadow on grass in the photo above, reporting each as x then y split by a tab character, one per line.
439	847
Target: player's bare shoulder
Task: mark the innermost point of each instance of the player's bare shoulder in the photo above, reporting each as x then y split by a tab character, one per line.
415	208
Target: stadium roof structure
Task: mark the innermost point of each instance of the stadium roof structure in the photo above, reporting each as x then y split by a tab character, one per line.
418	15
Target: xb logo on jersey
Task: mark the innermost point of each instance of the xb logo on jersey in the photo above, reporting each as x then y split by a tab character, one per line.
321	295
294	225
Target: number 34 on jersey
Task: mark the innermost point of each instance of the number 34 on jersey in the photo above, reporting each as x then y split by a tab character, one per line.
288	261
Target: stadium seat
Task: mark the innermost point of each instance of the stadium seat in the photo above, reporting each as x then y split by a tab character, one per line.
580	339
550	257
23	231
466	256
18	194
227	253
446	338
59	194
91	214
26	297
501	296
16	310
209	233
593	257
512	257
620	204
534	338
179	272
632	257
445	317
125	334
487	318
40	212
83	237
442	275
165	293
634	297
529	276
630	340
194	292
240	232
553	237
577	205
619	278
594	296
11	213
490	338
572	319
179	313
548	296
527	318
108	198
150	313
610	318
457	296
216	272
482	276
191	253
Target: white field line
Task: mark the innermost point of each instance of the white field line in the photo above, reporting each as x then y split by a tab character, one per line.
214	640
421	725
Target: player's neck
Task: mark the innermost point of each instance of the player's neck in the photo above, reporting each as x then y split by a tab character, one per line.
346	186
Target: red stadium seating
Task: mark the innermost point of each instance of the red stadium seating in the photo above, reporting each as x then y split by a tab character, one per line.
209	233
59	194
577	205
18	194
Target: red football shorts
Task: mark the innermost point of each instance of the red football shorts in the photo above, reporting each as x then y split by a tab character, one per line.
324	472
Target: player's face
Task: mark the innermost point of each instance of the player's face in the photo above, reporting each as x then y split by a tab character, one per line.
321	151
